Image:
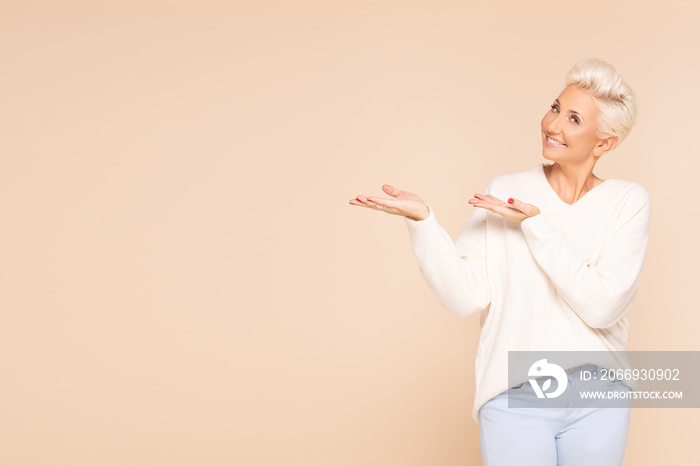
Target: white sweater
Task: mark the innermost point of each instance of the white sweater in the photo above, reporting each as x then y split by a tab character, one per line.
562	280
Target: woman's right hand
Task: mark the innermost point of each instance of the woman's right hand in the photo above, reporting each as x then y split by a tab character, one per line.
403	203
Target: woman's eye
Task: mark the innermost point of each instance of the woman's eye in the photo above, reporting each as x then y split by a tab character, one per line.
555	109
574	120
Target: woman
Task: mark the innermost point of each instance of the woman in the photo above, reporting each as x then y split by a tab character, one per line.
550	259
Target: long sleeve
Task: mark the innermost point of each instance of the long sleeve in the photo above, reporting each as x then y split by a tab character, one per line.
454	271
600	291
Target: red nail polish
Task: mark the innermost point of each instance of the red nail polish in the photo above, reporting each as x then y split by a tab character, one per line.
510	200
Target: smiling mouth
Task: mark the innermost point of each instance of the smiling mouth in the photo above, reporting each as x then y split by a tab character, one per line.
555	142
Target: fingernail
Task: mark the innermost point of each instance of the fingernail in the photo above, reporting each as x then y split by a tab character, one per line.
510	200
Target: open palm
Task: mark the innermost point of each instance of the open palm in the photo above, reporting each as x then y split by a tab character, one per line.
401	203
516	210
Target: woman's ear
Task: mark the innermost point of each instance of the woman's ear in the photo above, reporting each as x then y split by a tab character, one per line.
606	145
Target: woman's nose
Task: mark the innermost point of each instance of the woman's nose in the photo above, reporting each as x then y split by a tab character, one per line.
553	125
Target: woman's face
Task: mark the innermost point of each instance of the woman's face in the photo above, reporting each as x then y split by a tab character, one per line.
569	128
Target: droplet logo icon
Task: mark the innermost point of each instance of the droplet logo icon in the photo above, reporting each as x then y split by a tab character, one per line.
542	368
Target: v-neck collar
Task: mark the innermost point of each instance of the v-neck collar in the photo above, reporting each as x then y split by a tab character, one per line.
556	196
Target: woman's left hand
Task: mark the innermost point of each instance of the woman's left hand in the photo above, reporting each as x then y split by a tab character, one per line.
516	210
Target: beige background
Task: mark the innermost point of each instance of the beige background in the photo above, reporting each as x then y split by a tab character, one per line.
183	281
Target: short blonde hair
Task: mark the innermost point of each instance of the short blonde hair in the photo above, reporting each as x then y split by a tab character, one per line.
615	100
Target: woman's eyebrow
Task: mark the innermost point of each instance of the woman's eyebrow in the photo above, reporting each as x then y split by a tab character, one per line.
571	111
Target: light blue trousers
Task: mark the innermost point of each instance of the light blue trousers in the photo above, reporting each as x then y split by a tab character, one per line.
554	436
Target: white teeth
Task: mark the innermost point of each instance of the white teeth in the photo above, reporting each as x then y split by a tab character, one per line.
555	142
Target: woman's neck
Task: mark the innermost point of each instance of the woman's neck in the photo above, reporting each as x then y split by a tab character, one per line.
571	183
